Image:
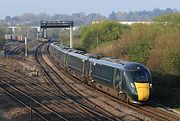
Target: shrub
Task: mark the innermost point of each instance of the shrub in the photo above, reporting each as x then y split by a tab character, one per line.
139	51
171	62
96	34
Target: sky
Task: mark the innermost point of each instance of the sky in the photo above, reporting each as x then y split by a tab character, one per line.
104	7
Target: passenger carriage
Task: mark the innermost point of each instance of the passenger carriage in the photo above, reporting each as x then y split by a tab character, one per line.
127	80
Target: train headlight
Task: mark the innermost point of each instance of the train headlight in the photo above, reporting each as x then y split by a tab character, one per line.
132	85
150	85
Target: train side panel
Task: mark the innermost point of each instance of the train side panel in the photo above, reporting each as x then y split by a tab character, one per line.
105	77
76	63
62	56
59	53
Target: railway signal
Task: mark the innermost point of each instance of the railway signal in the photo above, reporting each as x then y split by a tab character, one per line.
57	24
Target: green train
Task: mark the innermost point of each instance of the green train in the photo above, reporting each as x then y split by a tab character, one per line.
129	81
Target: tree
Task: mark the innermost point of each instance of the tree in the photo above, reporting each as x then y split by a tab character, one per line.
102	32
2	33
113	16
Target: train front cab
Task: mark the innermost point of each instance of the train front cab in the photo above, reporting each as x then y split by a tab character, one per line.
139	84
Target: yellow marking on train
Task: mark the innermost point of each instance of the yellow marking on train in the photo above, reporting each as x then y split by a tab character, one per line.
143	91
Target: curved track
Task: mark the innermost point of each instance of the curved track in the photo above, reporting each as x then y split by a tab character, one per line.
147	110
13	51
58	83
55	99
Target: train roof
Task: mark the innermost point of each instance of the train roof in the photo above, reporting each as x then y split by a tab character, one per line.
117	63
78	55
79	52
60	47
134	66
65	48
96	56
105	62
99	59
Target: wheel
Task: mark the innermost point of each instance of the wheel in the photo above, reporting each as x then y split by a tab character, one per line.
126	98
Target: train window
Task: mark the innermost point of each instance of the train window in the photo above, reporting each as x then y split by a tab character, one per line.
118	75
137	76
116	81
128	76
94	69
108	73
140	76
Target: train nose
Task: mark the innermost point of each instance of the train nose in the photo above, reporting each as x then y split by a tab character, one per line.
142	91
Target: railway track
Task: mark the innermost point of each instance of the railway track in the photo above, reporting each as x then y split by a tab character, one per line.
148	110
45	94
42	90
55	89
13	51
61	87
36	88
163	114
40	109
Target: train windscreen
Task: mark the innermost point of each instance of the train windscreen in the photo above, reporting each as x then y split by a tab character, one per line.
141	75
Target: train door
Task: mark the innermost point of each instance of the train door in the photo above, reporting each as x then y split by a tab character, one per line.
83	69
66	59
86	69
121	80
90	70
117	81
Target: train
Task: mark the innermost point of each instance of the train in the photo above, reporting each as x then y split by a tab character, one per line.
128	81
13	37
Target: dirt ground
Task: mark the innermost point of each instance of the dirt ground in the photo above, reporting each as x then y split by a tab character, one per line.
9	108
25	67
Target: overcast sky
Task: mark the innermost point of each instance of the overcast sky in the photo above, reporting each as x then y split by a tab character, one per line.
105	7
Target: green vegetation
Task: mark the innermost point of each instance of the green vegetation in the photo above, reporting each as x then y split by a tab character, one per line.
171	18
156	45
139	51
96	34
2	32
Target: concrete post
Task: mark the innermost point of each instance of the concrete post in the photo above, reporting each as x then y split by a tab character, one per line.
26	47
45	33
37	35
38	30
71	36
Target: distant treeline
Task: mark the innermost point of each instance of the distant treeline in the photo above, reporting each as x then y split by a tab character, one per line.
2	32
83	19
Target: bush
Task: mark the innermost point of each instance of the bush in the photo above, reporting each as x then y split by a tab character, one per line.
173	19
171	62
96	34
139	51
2	32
